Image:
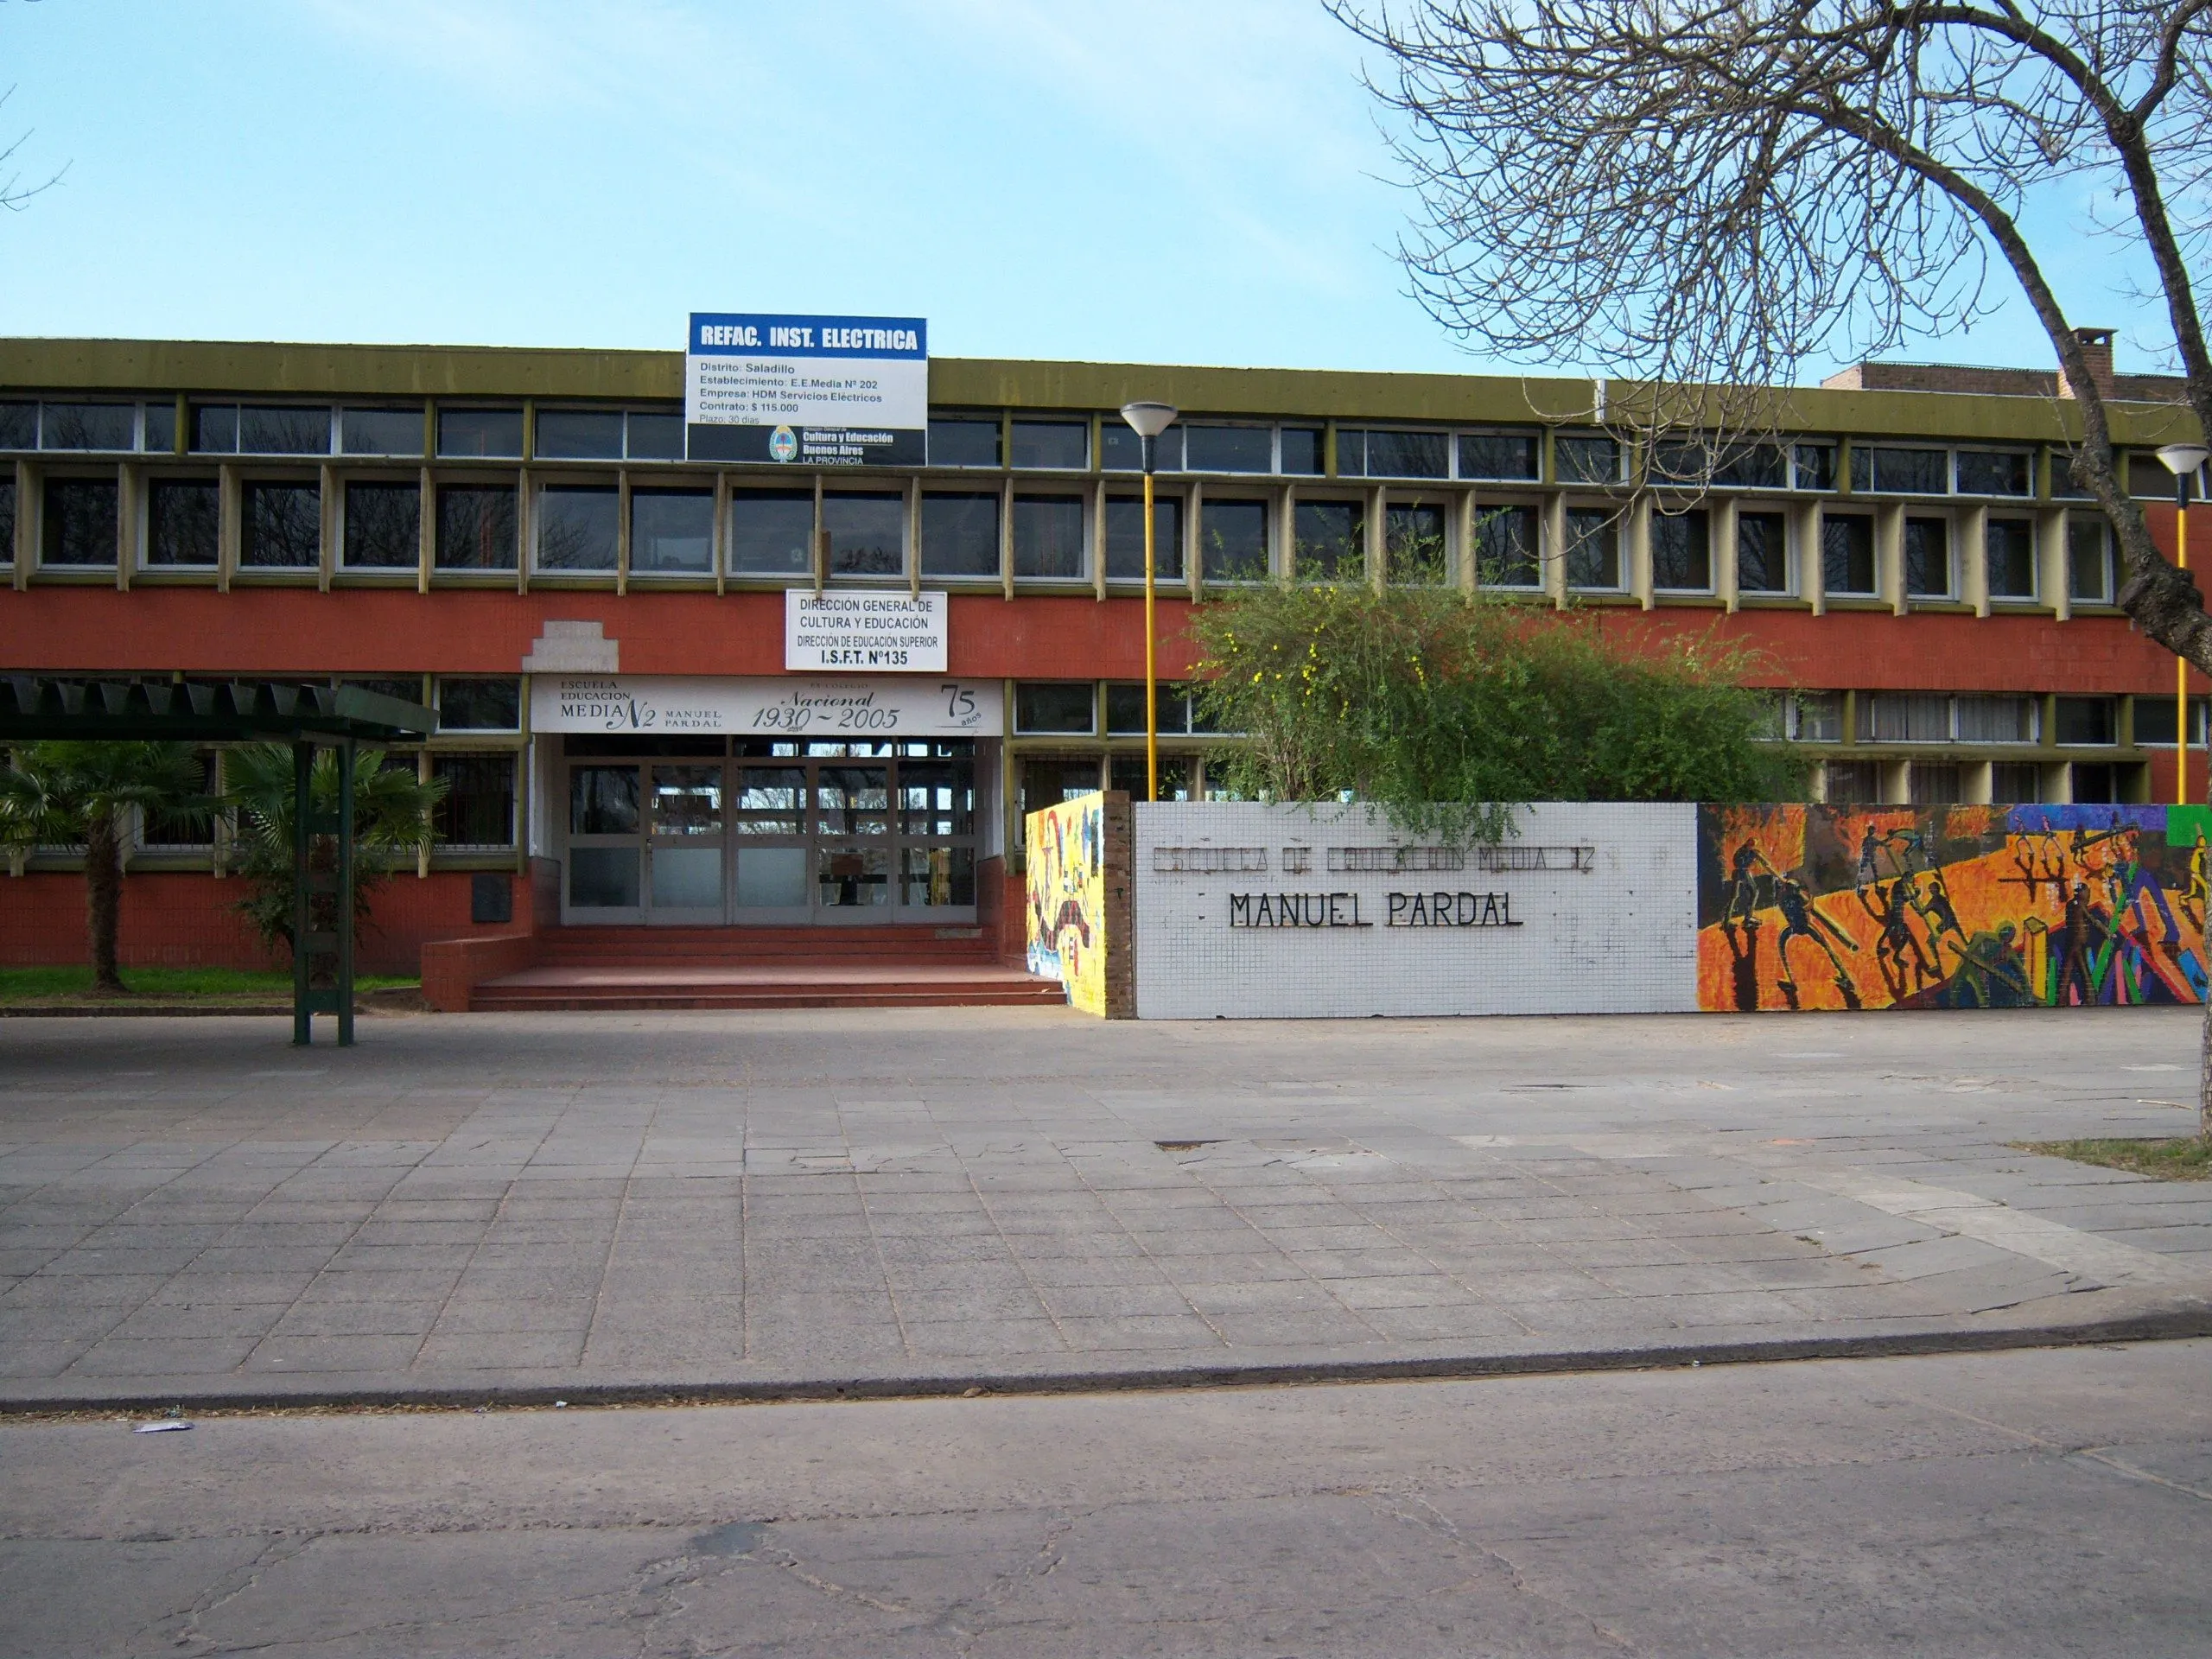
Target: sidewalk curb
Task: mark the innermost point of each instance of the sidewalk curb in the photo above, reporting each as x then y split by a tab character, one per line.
2165	1321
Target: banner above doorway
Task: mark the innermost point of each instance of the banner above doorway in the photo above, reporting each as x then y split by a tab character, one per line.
794	707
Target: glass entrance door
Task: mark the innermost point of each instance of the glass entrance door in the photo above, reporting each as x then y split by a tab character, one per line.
683	842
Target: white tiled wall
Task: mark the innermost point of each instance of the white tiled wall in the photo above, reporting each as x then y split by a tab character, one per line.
1619	935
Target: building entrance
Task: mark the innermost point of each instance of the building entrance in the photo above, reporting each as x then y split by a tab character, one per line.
751	831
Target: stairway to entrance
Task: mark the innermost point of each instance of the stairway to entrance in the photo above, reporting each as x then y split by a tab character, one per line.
617	968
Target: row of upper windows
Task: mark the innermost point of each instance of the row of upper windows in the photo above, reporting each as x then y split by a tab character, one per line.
1937	717
1509	454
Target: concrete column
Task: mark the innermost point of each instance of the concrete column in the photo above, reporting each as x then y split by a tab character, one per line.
2052	586
1889	554
1971	528
1721	526
1636	549
1812	573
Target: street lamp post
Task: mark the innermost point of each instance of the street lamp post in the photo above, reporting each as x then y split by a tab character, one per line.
2182	461
1148	421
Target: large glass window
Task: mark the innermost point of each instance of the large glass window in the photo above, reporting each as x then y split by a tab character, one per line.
1682	551
183	521
280	526
476	527
478	810
18	426
1581	458
770	532
655	437
579	434
1125	538
1048	536
1928	558
159	433
672	532
284	431
1125	709
579	527
1331	541
867	531
957	442
1811	466
1847	554
80	522
2010	549
1055	707
1060	445
1414	550
478	705
1123	451
2154	722
1996	471
89	426
484	433
2088	560
1301	448
603	801
1230	448
1500	455
214	428
1894	470
381	431
1594	548
384	525
1908	717
1388	453
1762	553
960	533
1233	541
1816	717
1995	720
1505	547
8	518
2088	721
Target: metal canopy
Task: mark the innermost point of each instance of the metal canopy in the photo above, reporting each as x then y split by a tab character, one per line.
37	708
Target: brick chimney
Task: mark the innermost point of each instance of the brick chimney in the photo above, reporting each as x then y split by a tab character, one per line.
2096	348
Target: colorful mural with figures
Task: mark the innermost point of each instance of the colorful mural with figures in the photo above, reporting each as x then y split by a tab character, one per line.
1067	899
1950	906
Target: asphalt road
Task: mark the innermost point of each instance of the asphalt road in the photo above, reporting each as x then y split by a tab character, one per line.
2043	1502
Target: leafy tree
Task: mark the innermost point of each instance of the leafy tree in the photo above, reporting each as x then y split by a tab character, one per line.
1441	708
65	794
392	813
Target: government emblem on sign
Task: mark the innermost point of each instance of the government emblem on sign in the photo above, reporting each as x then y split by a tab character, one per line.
782	444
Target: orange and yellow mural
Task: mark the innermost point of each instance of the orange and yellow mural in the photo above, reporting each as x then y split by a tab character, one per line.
1066	848
1951	906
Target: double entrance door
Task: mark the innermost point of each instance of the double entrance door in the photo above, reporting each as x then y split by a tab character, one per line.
770	833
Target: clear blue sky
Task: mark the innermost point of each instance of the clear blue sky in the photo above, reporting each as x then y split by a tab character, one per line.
1164	181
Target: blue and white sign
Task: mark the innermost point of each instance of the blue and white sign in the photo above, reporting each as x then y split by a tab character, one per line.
822	391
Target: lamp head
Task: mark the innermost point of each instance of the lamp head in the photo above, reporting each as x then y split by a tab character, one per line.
1149	420
2182	457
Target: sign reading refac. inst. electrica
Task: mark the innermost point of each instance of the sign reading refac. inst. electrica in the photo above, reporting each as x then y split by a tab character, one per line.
821	392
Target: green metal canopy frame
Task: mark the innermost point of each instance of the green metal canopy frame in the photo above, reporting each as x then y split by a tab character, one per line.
35	707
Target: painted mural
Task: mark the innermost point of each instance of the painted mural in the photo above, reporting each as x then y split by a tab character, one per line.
1067	899
1950	906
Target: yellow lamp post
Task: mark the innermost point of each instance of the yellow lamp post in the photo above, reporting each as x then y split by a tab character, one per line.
2182	461
1148	421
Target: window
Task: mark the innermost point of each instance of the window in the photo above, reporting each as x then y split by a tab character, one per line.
772	532
384	525
2012	781
283	431
1387	453
280	526
2154	721
2088	721
655	437
1048	536
1995	720
1231	449
1048	780
1816	718
1584	459
1233	541
1594	548
2094	783
478	810
1122	451
1725	463
1928	558
481	433
1331	541
2062	482
1125	538
1852	783
1931	784
960	534
579	434
476	526
1996	471
866	532
18	426
214	428
1895	471
579	526
1058	445
492	705
89	426
1505	547
1762	553
80	522
1414	550
1125	709
1301	448
8	520
1499	455
1127	773
1906	717
409	690
965	443
672	532
1813	466
380	431
2088	560
2146	475
2010	550
1682	551
183	521
1847	554
1055	707
159	436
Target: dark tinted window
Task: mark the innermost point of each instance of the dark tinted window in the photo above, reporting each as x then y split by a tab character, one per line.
672	531
1928	558
772	532
215	428
960	534
281	528
1762	553
965	443
281	431
159	436
478	806
80	521
2062	482
6	520
1122	451
656	437
1984	472
1229	449
579	434
183	520
1682	551
1125	538
384	525
1125	710
487	432
1048	707
492	705
1331	538
1585	460
1594	547
2012	554
1892	470
2088	720
1498	455
1505	547
89	426
2088	560
476	527
579	527
1414	548
381	431
1048	535
1814	465
868	534
1060	444
1233	541
1394	455
1847	554
1301	448
18	426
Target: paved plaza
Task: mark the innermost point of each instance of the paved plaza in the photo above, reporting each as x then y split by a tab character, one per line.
939	1198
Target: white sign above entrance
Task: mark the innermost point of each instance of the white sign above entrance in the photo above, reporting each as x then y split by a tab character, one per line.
822	708
873	632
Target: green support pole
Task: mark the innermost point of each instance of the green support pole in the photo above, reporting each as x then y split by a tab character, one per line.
303	779
344	897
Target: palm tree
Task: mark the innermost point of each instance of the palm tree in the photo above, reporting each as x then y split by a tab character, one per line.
393	813
74	793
